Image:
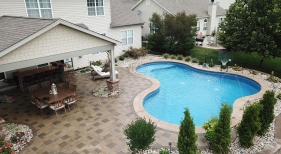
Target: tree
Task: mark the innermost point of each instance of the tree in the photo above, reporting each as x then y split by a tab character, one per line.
222	132
249	125
187	136
141	134
176	30
253	26
157	39
267	112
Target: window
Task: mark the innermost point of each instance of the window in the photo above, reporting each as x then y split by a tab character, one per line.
205	24
127	37
198	26
95	7
68	61
152	28
39	8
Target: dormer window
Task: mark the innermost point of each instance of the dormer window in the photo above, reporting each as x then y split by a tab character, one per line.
95	7
39	8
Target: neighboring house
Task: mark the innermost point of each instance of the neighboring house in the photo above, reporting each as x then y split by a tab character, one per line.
209	14
106	17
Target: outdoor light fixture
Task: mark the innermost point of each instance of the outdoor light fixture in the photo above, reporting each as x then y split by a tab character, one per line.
170	144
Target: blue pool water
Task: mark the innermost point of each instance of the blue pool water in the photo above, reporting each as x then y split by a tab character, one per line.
200	91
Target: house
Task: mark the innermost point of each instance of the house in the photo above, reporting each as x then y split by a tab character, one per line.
209	14
108	18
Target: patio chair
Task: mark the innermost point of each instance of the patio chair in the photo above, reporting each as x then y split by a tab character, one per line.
32	99
45	84
32	88
71	100
41	105
101	74
58	105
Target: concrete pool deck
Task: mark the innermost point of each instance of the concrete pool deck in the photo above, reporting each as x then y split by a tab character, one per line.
238	105
96	126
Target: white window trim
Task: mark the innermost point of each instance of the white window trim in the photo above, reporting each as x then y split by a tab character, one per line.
39	8
127	36
95	9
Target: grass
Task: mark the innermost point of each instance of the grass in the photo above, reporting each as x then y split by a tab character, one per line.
242	59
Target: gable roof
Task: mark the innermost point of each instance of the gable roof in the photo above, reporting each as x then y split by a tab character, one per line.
198	7
122	15
16	31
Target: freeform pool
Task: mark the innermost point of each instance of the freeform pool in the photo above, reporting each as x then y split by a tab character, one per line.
200	91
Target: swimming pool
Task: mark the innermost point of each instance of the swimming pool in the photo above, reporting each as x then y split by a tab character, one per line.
201	91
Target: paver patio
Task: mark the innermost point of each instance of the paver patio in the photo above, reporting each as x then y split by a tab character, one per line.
94	127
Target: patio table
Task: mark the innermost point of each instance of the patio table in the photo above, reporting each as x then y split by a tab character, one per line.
62	93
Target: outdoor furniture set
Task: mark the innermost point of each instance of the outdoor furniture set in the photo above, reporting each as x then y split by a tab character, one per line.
65	95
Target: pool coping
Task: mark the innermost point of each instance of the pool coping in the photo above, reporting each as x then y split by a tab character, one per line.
237	106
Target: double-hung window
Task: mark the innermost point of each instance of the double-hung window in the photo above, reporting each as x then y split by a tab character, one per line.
198	26
95	7
152	28
205	24
39	8
127	37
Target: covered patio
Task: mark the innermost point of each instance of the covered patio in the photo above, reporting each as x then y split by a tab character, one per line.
27	43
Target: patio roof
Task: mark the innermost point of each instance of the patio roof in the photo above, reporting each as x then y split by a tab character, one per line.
16	31
27	41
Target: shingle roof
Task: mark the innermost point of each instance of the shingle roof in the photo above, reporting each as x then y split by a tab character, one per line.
121	14
198	7
14	29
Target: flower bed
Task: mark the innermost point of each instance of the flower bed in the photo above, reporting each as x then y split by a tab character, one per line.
103	92
6	99
17	136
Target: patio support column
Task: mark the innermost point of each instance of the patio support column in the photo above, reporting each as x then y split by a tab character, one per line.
112	66
112	83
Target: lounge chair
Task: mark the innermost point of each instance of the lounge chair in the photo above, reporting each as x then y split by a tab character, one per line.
97	72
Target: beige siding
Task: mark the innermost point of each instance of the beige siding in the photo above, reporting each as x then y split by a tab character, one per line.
60	39
146	13
12	7
76	12
85	60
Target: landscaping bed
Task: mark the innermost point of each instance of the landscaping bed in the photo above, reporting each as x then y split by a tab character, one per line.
14	137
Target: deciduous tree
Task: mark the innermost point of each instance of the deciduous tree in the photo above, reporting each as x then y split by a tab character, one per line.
253	26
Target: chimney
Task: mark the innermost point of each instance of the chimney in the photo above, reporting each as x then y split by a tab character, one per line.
212	12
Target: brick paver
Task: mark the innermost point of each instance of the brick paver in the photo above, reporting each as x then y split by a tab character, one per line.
96	126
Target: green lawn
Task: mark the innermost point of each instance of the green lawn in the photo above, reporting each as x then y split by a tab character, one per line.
250	61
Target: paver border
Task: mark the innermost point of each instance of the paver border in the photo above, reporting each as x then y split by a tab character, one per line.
238	104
